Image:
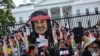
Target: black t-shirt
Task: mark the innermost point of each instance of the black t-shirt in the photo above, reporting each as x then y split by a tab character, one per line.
42	53
86	52
30	55
63	52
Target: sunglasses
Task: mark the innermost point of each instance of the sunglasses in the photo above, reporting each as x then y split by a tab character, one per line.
61	42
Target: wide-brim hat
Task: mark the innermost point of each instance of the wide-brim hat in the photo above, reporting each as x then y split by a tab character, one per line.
89	41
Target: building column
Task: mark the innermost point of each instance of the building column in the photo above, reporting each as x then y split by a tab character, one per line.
61	12
24	2
49	12
62	15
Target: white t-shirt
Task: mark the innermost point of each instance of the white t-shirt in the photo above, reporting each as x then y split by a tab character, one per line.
15	51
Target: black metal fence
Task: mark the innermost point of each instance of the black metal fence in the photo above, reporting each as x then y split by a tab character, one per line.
69	21
84	21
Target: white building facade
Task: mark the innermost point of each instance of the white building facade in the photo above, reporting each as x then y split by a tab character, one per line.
55	8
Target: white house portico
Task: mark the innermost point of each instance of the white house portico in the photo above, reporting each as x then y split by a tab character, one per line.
59	11
56	8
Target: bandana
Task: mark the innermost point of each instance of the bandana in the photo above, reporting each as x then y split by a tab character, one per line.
40	17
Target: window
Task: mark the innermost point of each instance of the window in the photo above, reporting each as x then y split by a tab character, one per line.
78	12
89	23
32	0
79	24
20	20
96	10
87	11
54	15
65	14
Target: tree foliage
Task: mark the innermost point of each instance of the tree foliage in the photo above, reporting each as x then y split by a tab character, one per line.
6	17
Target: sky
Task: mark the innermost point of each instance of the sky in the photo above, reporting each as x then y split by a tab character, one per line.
18	2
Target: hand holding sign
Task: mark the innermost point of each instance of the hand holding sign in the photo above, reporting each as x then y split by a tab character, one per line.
42	41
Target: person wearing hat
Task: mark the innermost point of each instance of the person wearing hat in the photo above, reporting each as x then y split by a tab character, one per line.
87	46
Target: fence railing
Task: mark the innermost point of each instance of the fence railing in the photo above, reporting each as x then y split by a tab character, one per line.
70	22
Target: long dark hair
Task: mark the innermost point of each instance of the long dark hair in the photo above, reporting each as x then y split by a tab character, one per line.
48	33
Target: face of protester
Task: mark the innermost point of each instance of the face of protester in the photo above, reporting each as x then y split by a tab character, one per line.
95	47
61	44
35	51
68	42
40	26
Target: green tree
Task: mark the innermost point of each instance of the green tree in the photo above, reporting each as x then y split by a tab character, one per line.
6	17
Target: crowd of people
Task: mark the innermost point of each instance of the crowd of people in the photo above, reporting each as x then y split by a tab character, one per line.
63	44
13	45
89	46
